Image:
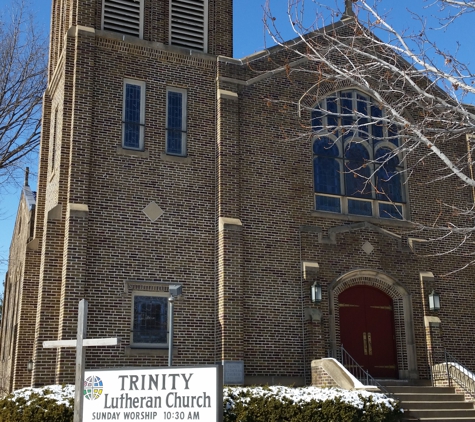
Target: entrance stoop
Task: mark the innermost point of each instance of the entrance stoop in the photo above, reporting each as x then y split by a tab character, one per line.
423	402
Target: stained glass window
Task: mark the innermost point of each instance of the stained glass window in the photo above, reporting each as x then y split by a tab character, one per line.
133	120
176	122
356	166
150	320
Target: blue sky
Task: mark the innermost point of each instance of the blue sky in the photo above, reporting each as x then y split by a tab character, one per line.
248	38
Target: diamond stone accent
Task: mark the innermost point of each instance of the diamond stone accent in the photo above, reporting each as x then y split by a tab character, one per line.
367	247
153	211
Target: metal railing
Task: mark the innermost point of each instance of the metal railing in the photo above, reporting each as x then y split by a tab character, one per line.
446	367
357	371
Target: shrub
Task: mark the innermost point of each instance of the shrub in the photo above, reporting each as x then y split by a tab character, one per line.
48	404
280	404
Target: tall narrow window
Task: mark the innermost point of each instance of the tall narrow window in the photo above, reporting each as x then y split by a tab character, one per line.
176	121
133	120
124	16
189	24
54	140
150	320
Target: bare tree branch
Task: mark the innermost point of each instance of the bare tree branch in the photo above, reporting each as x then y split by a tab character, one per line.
421	89
23	57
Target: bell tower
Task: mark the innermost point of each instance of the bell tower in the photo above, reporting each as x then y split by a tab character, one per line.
129	125
202	25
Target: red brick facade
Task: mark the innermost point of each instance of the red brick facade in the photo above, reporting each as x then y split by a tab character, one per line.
238	223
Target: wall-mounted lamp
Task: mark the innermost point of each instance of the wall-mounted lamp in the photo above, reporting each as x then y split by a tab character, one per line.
434	301
29	365
316	292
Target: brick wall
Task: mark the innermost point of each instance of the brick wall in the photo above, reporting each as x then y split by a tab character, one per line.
238	217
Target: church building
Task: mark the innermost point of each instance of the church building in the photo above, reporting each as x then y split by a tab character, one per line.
165	161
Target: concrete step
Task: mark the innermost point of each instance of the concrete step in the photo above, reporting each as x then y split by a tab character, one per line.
421	389
390	382
426	403
436	405
444	414
438	419
427	397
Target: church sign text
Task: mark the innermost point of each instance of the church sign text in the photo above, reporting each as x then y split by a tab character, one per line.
154	394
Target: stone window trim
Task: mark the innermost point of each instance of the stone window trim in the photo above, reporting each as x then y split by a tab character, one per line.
351	136
146	287
389	222
132	152
158	351
176	122
175	158
127	110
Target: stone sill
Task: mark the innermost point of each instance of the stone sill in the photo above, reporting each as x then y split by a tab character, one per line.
132	152
133	351
175	158
389	222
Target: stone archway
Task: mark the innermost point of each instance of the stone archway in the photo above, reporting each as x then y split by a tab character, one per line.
403	315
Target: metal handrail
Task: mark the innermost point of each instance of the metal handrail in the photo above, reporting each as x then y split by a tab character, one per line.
452	370
357	371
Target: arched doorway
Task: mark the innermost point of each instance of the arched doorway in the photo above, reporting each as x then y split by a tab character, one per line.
367	329
402	308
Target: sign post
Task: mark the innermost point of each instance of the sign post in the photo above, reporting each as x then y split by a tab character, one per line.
79	344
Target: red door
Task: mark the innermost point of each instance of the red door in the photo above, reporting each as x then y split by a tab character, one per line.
367	329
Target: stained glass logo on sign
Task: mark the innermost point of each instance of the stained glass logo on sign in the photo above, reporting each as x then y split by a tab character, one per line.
93	387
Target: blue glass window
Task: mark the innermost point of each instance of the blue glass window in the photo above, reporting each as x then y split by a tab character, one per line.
346	103
327	203
326	167
133	119
332	109
327	175
356	159
317	118
362	108
176	125
388	177
357	172
150	320
359	207
388	210
377	126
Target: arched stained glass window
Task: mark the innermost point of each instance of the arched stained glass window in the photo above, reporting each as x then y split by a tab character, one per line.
356	167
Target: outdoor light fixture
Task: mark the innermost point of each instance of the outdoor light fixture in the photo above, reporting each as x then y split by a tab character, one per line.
434	301
316	292
175	290
29	365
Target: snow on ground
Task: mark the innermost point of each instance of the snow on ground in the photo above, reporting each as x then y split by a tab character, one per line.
62	393
56	392
313	393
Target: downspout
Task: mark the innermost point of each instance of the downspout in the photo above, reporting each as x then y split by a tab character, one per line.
302	310
216	220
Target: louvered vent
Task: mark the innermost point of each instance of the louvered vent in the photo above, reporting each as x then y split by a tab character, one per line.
124	16
189	19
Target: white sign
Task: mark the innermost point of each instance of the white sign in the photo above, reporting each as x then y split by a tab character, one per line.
154	394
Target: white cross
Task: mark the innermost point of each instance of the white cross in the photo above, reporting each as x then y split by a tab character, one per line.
79	344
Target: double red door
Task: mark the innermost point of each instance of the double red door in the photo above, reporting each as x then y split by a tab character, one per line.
367	329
